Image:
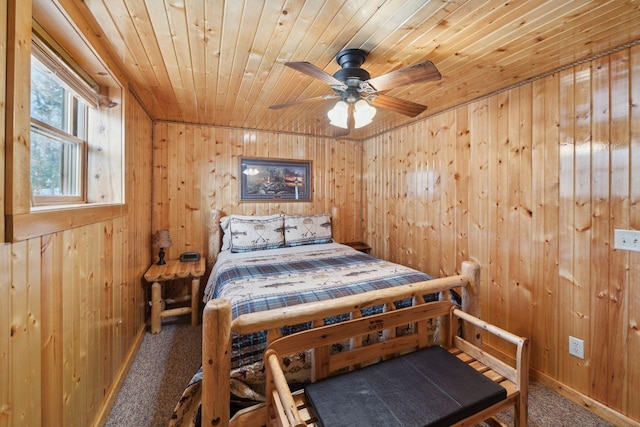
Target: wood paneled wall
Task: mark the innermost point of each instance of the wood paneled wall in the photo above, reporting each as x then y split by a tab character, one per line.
72	304
530	183
195	169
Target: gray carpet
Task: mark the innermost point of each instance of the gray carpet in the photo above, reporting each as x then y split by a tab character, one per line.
161	370
166	362
549	409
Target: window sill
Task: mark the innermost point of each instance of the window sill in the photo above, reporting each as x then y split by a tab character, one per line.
68	206
45	220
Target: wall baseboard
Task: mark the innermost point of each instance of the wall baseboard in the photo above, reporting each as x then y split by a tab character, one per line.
110	399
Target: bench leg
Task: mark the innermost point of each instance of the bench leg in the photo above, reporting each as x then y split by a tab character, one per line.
520	412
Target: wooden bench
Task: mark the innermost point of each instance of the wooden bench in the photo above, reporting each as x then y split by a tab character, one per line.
295	409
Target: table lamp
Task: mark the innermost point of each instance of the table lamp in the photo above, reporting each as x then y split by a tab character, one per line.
161	240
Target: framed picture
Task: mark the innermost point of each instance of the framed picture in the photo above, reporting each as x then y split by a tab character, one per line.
274	179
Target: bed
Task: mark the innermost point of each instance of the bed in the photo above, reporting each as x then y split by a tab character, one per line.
263	287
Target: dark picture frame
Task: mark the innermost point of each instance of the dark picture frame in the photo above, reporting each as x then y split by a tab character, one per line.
266	180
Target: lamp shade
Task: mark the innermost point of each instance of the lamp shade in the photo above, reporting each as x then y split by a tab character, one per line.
363	113
339	114
162	239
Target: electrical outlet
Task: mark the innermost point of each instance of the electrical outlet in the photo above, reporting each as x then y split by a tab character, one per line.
576	347
628	240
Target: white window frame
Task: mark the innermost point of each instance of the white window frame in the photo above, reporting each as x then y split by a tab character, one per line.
75	132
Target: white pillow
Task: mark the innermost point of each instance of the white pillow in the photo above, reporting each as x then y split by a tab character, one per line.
224	224
307	229
256	234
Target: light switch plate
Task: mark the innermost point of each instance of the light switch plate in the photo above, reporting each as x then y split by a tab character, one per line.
627	240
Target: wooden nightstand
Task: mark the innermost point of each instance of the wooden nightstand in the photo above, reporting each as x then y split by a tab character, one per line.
173	270
359	246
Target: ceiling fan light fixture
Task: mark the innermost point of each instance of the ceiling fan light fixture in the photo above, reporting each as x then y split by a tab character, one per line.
357	90
339	114
363	113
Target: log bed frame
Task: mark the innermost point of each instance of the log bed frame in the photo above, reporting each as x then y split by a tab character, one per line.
218	325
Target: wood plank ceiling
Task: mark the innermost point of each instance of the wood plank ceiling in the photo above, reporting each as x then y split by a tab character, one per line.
221	62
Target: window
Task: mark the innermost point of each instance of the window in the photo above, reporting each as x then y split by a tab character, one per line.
76	145
58	138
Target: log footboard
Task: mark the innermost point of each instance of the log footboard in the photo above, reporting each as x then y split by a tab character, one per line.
218	326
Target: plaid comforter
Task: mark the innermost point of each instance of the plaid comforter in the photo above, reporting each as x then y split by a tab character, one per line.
274	279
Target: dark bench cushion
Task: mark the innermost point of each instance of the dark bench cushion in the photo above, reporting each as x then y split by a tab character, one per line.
430	387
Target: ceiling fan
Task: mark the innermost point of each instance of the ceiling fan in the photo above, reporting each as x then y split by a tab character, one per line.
357	91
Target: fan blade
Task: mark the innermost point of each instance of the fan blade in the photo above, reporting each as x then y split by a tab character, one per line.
420	72
302	101
315	72
401	106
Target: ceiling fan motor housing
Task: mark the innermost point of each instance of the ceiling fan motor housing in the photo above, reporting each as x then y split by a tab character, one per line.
350	60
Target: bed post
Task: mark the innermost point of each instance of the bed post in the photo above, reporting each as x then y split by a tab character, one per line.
216	362
335	220
214	238
471	300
